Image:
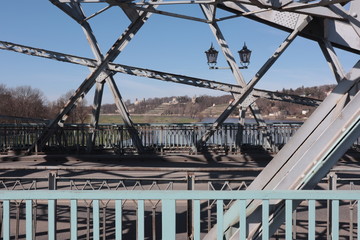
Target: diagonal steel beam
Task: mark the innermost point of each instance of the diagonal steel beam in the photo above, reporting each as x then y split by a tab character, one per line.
77	14
209	12
162	76
316	146
99	91
332	59
302	23
88	83
337	28
353	19
169	14
309	154
323	3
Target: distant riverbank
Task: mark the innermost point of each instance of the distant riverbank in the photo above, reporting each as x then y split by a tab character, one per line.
116	118
251	120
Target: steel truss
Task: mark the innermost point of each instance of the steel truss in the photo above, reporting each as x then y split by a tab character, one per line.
317	145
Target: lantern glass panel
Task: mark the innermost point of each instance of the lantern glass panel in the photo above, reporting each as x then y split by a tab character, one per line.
245	54
211	56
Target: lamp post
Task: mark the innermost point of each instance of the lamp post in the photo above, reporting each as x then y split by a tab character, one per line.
212	54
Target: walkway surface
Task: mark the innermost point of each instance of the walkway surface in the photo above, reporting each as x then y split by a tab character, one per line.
86	172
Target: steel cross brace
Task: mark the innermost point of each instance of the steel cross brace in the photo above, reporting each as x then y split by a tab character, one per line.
321	8
239	99
162	76
88	83
341	27
332	59
209	12
79	16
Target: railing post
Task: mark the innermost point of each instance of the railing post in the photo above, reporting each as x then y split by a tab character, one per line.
351	209
332	185
1	218
294	224
141	220
190	186
52	181
168	219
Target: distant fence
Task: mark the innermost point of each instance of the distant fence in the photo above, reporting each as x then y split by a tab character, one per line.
158	137
229	137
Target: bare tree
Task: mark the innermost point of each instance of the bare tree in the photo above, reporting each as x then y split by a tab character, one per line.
77	115
28	102
5	103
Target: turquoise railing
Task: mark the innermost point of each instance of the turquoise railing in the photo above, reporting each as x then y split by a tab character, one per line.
169	200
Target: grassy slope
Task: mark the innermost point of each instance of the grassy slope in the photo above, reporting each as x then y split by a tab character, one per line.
147	119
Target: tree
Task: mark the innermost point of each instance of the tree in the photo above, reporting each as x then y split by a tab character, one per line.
78	115
5	103
28	102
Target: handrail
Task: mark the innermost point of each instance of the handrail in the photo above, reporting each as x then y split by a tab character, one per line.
180	195
168	200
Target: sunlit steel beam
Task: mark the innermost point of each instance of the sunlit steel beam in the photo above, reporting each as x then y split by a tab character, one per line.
99	85
89	82
303	22
163	76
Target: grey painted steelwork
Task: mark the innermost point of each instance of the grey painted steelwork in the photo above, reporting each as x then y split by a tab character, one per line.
332	128
162	76
160	138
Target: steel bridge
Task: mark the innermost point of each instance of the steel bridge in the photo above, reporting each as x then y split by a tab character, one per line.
306	158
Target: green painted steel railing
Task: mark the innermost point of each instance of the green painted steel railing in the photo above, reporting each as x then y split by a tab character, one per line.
169	200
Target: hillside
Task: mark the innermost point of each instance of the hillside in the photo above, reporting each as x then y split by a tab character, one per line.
212	106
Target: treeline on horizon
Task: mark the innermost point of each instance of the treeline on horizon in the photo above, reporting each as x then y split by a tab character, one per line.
195	106
28	102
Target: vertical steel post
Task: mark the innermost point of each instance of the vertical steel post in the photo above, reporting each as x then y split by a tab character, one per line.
294	224
351	209
6	220
52	185
332	185
153	222
88	222
104	222
73	219
118	219
1	218
29	219
190	177
17	225
140	220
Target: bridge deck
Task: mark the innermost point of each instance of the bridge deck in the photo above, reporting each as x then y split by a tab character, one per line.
104	172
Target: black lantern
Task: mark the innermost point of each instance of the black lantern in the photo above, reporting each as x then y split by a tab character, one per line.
211	56
245	54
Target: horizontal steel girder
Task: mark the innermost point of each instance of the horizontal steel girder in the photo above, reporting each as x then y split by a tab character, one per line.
163	76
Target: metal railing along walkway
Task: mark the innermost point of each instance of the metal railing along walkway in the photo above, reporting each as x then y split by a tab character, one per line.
169	201
159	137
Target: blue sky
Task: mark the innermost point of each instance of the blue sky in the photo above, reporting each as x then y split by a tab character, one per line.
164	43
